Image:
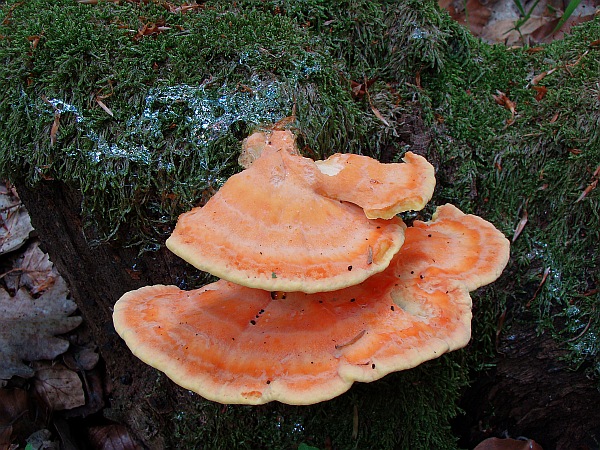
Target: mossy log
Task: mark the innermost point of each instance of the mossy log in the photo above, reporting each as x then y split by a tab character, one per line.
110	131
530	392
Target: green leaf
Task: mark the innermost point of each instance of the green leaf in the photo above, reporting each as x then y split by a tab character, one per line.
571	7
304	446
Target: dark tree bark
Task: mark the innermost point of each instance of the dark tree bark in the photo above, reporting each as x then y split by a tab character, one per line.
97	277
538	395
532	392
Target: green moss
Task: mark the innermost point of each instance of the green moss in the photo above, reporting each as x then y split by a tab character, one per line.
375	38
382	410
538	166
181	100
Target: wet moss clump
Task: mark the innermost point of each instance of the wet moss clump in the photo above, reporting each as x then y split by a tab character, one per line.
143	108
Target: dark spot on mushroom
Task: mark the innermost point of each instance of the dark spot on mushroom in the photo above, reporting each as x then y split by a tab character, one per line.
253	322
428	235
372	366
392	308
421	277
352	300
349	268
268	381
412	272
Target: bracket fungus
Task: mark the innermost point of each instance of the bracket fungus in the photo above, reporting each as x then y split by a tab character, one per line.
288	224
309	345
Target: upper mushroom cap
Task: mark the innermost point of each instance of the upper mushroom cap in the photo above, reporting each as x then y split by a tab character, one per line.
382	190
232	344
270	228
253	145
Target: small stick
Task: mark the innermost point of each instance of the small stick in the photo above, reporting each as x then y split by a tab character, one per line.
351	341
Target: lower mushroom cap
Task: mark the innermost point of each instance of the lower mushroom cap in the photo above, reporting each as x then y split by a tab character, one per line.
234	344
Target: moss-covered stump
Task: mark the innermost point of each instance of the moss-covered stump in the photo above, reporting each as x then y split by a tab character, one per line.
118	116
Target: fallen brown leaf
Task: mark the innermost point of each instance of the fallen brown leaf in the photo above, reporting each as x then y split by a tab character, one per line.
520	225
379	116
15	224
34	41
541	92
14	404
9	13
59	387
151	28
360	89
475	14
533	50
502	99
104	107
112	437
33	270
81	358
28	327
54	129
183	8
537	291
591	186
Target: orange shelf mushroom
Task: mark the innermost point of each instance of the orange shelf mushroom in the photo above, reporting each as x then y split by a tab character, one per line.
306	348
289	224
382	190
